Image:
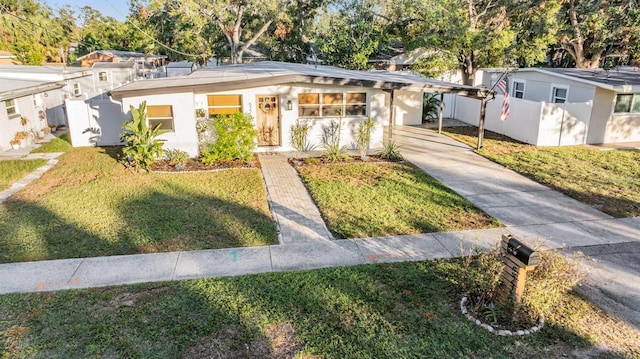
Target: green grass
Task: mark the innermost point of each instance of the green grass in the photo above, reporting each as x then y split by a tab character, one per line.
608	180
401	310
58	144
89	205
372	199
14	170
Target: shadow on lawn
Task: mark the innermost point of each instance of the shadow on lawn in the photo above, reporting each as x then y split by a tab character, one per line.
155	222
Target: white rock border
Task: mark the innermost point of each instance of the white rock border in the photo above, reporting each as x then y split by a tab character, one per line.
501	332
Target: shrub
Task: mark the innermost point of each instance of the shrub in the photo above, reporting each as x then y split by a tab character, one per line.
298	137
235	139
391	152
141	145
430	106
364	137
549	283
176	156
335	152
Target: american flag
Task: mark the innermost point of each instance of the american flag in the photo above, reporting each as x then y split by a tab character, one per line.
502	86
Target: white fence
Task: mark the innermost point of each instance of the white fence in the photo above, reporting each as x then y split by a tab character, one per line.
536	123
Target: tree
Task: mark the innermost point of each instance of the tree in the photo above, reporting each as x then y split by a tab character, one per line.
593	30
485	33
350	34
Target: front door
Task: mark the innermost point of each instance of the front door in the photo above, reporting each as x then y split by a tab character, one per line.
268	120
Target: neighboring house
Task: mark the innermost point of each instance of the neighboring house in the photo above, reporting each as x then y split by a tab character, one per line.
555	107
250	55
404	61
140	59
81	97
180	68
22	107
7	58
279	94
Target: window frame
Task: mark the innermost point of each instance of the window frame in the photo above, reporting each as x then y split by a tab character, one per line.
162	119
515	91
75	88
14	106
103	76
635	101
223	107
555	87
321	107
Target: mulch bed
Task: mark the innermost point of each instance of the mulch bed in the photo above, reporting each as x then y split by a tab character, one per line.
195	165
310	161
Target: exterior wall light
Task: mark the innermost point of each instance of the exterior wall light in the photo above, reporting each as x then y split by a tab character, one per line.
289	105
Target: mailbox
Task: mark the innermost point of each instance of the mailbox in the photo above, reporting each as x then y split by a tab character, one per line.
522	252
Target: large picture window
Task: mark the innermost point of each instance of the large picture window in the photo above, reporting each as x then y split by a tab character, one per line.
627	103
160	115
224	104
330	104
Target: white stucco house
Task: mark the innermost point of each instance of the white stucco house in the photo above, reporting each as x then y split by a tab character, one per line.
558	106
277	95
22	107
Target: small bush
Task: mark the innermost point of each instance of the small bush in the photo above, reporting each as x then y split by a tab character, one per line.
364	137
549	283
298	137
311	161
141	144
235	139
335	153
176	156
391	152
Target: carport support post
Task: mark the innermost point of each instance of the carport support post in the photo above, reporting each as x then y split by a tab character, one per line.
440	112
392	113
483	110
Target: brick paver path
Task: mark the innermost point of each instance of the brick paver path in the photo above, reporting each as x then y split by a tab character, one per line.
296	214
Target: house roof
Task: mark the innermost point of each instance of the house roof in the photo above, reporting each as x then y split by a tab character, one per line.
619	79
112	65
15	88
124	54
39	73
266	73
181	65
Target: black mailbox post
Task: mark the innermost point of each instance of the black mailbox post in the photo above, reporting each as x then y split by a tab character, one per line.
518	259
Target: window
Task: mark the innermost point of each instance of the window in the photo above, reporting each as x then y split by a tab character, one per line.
102	76
224	104
518	89
76	89
10	105
330	104
559	94
627	103
160	115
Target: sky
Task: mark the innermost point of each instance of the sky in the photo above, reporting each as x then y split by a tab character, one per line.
117	9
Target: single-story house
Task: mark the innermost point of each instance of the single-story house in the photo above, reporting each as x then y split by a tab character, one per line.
559	106
121	56
277	95
22	107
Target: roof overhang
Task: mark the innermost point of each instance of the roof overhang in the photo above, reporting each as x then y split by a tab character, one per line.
31	90
237	77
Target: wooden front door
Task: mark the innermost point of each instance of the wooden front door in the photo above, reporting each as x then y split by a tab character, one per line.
268	120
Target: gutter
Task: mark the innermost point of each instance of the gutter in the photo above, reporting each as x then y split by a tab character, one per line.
13	94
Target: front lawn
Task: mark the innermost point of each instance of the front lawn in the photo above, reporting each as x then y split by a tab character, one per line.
384	199
58	144
400	310
14	170
89	205
608	180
